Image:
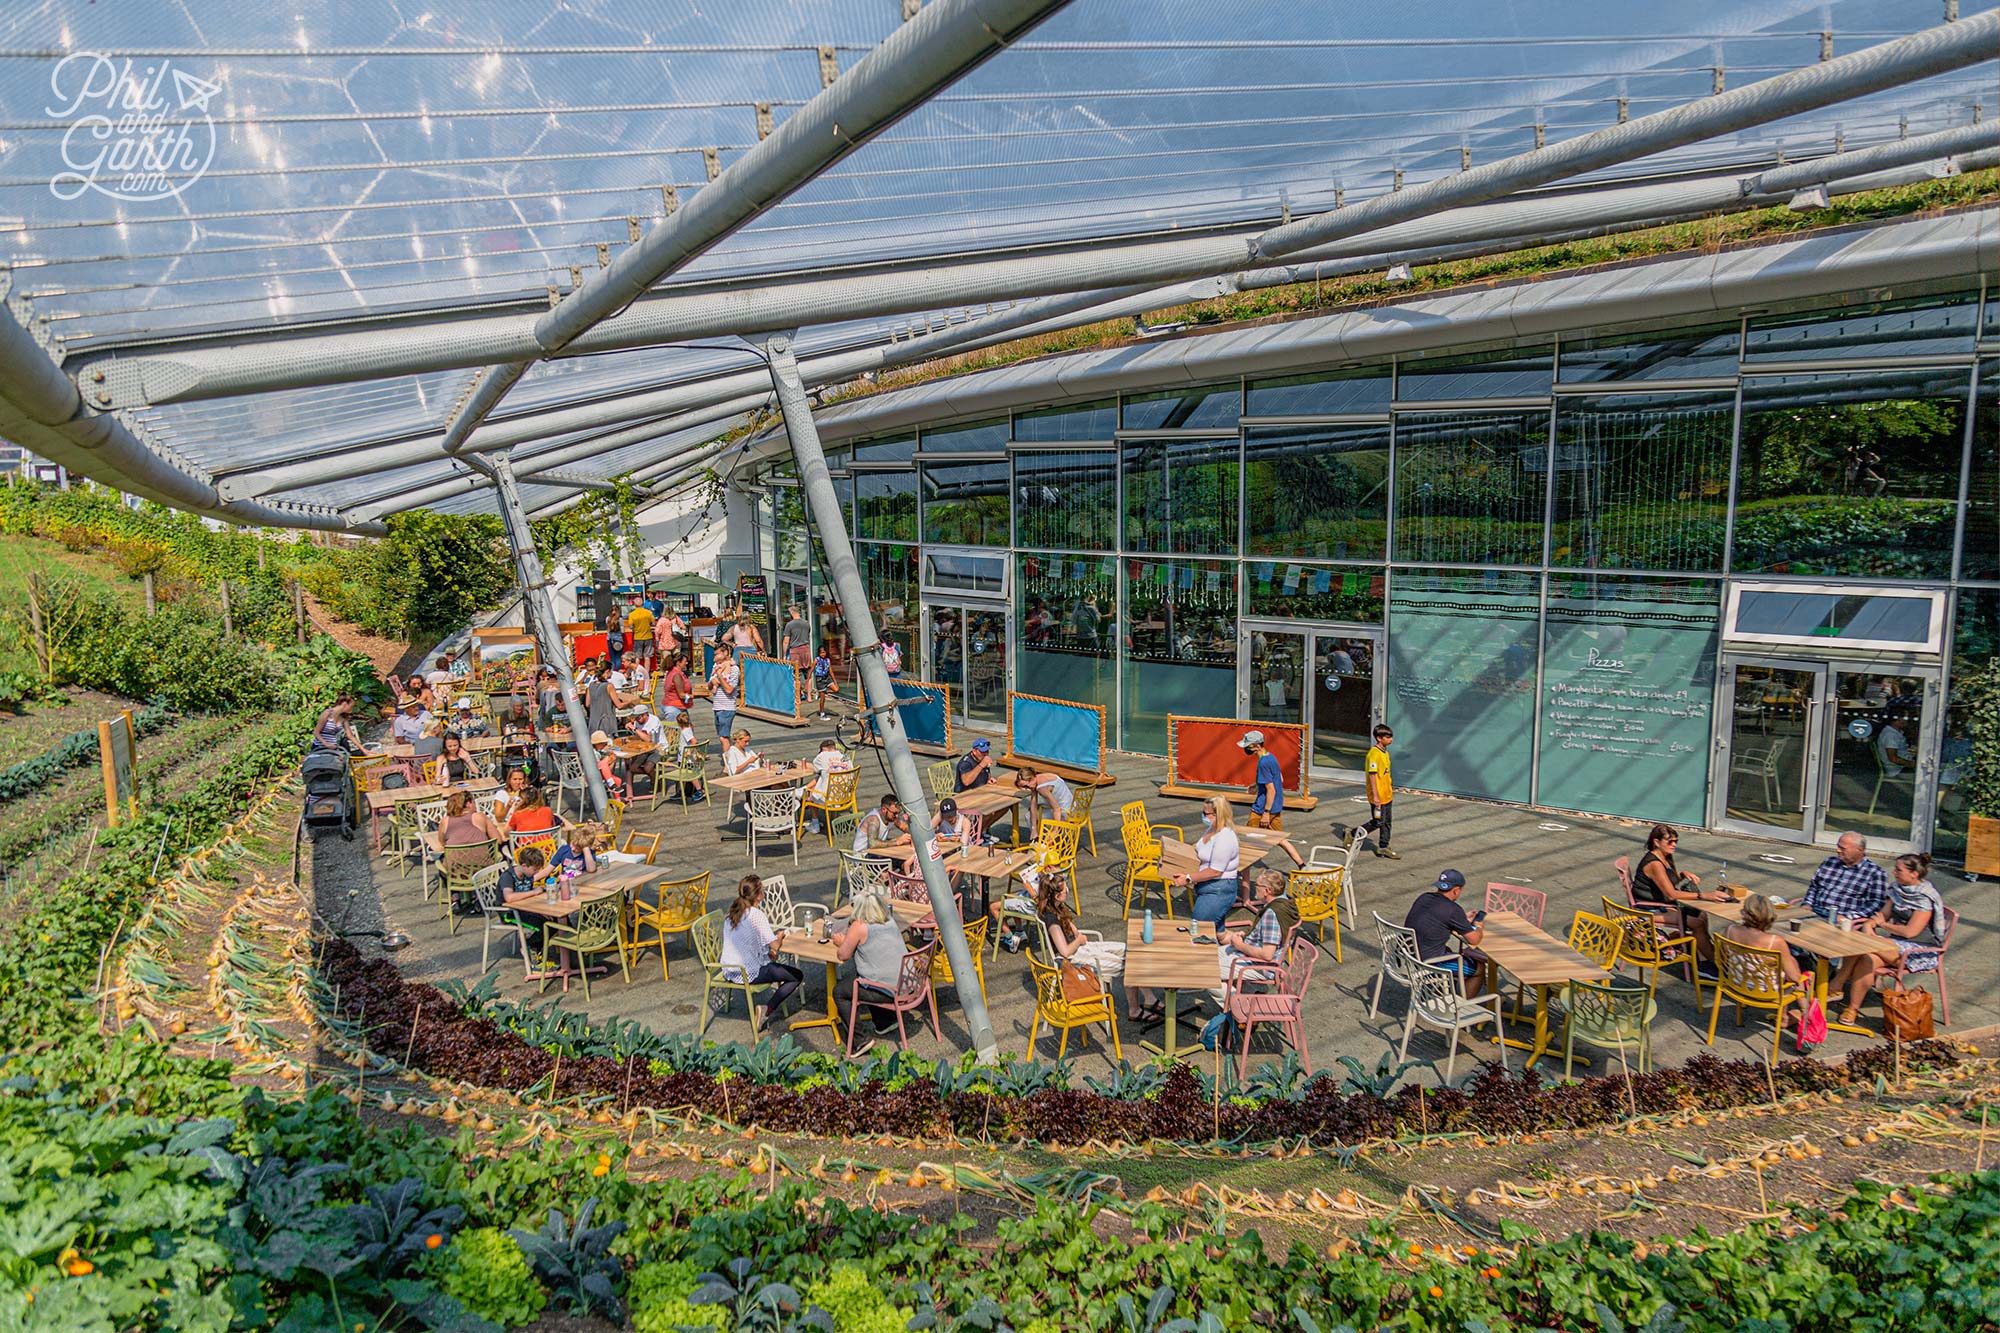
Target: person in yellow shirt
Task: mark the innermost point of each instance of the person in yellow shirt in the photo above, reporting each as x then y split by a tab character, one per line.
1381	791
639	625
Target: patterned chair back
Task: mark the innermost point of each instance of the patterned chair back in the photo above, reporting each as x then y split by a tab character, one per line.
463	858
975	943
706	932
1437	994
486	888
773	810
1528	904
1639	932
1399	950
597	925
1748	972
1297	972
1055	843
1316	893
1607	1011
1595	938
840	788
913	983
1140	844
484	802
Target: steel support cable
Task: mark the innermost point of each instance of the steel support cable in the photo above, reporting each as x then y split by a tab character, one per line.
775	304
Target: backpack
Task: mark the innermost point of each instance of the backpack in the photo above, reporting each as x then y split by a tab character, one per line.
892	656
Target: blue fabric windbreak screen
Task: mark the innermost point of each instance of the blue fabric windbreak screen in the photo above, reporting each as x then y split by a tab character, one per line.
770	685
924	718
1067	734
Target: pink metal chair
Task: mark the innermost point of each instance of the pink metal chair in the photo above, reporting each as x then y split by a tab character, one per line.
911	889
1528	904
1669	913
1903	964
913	991
1283	1005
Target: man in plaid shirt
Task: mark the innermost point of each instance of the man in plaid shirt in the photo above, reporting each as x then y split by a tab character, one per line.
1277	917
1847	883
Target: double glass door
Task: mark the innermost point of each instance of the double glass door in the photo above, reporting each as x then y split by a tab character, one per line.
1810	749
965	648
1325	678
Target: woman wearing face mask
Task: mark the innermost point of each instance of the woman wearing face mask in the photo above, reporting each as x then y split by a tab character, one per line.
1214	880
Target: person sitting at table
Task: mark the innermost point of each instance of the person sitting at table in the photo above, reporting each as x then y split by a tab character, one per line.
607	764
1265	940
1067	942
463	823
440	672
548	696
883	829
1755	930
644	725
875	942
1048	796
336	727
975	767
1912	919
517	721
827	762
519	883
578	849
454	765
410	720
466	721
738	757
750	949
1656	880
1220	855
532	815
508	799
1847	884
1435	917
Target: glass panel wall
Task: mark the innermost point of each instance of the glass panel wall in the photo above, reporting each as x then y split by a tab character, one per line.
1068	616
890	573
1066	498
1083	421
1628	684
1316	490
965	504
888	449
973	437
1706	352
1642	481
1204	407
1853	474
1362	391
1290	590
885	505
1470	487
1180	646
1515	372
1461	689
1180	496
1981	556
1925	326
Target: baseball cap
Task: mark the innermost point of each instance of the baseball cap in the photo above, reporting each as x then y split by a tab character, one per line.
1450	879
982	744
947	807
1250	738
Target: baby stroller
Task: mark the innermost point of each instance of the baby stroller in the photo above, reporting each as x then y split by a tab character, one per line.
329	795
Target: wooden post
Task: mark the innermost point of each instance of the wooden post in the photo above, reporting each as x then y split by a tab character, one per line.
260	551
299	609
39	627
152	597
228	626
110	773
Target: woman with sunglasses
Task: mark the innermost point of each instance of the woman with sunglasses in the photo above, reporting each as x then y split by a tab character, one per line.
1658	882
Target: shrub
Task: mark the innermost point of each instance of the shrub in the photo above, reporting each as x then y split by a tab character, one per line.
658	1298
486	1272
857	1302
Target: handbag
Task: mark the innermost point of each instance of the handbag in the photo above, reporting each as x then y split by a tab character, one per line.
1906	1014
1812	1025
1079	983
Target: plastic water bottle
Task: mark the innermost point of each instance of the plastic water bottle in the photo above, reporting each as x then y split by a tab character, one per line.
1146	929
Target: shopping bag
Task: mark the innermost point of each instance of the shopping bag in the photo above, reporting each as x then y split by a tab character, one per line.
1812	1025
1906	1014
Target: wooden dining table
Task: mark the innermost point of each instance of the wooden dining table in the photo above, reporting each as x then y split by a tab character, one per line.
989	800
1535	958
384	801
609	880
472	744
1173	962
759	779
1826	941
1252	846
988	864
805	945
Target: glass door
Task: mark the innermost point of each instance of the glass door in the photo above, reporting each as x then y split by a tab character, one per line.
1318	676
944	648
965	648
1276	675
1768	741
1878	756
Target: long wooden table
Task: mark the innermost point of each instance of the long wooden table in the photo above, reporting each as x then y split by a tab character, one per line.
759	779
807	947
989	800
1173	962
1825	941
1733	911
1535	958
382	802
472	744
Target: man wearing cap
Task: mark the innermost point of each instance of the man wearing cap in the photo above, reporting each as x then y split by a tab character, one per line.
468	723
1267	809
974	767
411	719
1435	917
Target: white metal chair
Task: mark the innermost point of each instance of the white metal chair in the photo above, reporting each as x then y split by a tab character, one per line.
486	892
782	911
1399	958
1341	858
774	814
1437	1002
569	778
484	802
863	874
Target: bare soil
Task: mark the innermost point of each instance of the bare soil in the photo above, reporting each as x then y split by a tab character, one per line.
387	655
37	727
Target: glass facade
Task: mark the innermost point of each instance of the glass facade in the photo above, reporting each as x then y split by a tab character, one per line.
1574	551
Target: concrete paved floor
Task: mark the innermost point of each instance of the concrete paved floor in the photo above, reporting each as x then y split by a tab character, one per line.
1568	857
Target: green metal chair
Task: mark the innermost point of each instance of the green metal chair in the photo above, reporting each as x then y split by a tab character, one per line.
688	764
707	936
943	777
460	862
1609	1017
599	929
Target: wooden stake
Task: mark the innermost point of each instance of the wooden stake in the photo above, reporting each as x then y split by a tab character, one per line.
152	598
410	1049
228	625
1979	1158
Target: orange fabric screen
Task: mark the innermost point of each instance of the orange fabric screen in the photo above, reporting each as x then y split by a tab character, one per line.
1205	752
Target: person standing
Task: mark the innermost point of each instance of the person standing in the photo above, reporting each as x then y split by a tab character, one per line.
798	646
614	637
639	623
723	683
1267	807
1381	789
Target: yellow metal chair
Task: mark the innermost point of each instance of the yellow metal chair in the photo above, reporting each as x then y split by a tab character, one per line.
1055	847
943	779
615	810
975	941
1316	893
839	799
677	904
1142	855
650	850
1596	939
543	839
1754	977
1644	943
430	772
1067	1015
599	929
1079	811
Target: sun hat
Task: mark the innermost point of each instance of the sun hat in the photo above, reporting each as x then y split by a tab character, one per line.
600	740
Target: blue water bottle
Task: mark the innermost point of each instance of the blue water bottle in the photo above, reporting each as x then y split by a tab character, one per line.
1146	930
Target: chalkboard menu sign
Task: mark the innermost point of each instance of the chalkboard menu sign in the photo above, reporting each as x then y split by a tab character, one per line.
1628	685
753	598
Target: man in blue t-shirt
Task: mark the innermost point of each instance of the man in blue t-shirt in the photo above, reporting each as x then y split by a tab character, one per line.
1267	807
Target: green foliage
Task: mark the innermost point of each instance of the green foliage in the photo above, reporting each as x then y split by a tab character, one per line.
485	1271
79	747
1981	693
658	1298
856	1301
19	689
601	528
